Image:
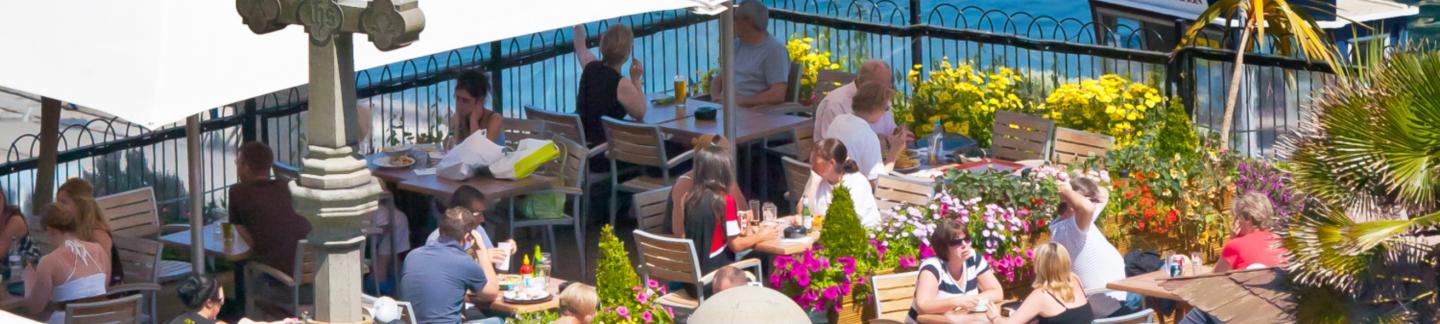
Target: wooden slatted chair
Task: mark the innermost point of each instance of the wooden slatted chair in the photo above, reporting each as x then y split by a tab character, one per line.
133	213
518	129
891	191
892	295
1145	315
803	137
642	145
797	174
140	260
300	281
570	167
1073	146
1019	137
118	310
569	126
829	80
668	259
650	210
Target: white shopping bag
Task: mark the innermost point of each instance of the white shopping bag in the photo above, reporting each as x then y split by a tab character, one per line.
529	155
475	152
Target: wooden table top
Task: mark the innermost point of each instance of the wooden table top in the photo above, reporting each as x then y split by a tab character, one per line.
441	188
787	247
215	244
552	285
656	114
953	317
1149	284
750	125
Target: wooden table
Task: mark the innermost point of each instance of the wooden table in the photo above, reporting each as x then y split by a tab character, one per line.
1149	284
552	285
750	125
215	244
656	114
441	188
787	247
953	317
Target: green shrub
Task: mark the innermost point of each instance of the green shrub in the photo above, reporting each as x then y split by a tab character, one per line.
615	276
841	234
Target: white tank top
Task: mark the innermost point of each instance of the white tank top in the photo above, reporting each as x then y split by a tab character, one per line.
78	288
1093	258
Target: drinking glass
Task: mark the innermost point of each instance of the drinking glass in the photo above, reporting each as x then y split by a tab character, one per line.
755	208
770	211
545	264
681	91
227	231
1196	263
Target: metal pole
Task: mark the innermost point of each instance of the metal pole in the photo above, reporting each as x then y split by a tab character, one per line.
49	150
917	54
197	189
727	63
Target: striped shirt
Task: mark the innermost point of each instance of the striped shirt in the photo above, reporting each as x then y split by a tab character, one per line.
950	286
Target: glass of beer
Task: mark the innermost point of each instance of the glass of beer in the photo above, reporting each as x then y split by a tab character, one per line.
681	91
227	231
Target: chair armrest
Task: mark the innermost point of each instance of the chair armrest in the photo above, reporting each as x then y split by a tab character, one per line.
130	288
742	265
598	149
172	228
679	159
265	269
573	191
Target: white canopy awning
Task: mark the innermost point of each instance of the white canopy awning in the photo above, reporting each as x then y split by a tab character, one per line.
154	62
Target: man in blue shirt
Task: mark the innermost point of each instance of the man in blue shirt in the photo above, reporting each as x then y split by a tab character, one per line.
439	278
762	64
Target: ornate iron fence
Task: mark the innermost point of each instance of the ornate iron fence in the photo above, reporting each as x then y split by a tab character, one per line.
540	70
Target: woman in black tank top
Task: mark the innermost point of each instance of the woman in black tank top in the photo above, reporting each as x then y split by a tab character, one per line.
603	91
1058	286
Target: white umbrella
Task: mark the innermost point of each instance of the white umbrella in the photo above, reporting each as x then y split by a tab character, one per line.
155	62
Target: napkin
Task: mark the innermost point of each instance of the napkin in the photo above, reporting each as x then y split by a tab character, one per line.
425	171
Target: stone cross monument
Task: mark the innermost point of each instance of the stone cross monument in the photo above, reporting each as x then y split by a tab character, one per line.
335	190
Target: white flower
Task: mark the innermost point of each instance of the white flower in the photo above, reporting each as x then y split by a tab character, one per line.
987	233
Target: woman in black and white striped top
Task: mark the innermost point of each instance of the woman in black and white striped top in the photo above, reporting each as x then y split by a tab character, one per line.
956	278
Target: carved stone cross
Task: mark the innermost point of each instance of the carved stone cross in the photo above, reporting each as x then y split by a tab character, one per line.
335	190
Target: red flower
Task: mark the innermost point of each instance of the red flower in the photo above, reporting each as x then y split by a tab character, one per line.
1140	224
1171	216
1129	195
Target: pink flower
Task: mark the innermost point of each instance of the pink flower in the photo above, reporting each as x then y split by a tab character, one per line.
832	293
802	279
647	317
926	251
624	312
652	283
643	298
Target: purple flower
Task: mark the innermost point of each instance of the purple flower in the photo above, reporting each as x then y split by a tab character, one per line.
832	293
802	279
647	317
624	312
926	251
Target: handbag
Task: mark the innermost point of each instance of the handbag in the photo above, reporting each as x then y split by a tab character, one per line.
477	151
529	155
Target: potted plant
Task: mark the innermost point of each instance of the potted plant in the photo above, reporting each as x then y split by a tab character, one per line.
829	277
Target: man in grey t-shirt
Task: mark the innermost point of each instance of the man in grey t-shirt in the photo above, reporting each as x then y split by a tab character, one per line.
762	64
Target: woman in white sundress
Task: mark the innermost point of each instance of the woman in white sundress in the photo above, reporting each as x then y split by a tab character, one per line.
72	272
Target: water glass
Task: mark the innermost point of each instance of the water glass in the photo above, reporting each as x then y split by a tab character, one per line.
770	212
1196	263
755	208
504	266
545	264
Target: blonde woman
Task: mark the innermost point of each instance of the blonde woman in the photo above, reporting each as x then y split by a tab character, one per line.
1058	296
77	197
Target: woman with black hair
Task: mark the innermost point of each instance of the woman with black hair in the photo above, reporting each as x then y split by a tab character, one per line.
204	296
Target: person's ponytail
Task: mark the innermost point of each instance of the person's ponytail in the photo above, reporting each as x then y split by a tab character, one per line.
851	167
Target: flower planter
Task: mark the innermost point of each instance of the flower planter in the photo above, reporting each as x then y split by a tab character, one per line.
850	313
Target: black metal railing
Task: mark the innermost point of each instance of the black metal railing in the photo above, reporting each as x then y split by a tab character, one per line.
540	70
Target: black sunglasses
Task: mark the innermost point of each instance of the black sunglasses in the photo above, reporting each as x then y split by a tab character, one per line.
959	242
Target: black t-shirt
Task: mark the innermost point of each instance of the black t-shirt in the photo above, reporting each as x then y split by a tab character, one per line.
597	98
191	318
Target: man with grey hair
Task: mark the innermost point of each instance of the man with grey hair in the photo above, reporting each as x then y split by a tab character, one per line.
762	64
840	102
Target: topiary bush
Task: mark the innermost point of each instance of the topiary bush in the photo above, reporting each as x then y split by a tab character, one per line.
841	234
615	276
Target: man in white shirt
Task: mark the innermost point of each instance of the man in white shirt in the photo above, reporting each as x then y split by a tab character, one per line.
854	129
841	102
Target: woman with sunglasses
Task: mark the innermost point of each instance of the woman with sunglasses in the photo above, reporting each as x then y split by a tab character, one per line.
956	278
1096	261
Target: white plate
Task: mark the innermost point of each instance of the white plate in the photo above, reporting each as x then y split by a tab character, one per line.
385	161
